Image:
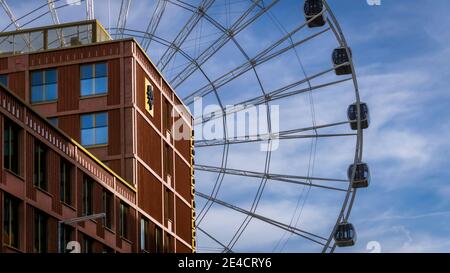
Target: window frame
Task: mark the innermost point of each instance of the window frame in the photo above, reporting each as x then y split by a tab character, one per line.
40	244
108	209
11	221
93	92
87	197
94	128
65	180
13	159
123	220
41	160
44	86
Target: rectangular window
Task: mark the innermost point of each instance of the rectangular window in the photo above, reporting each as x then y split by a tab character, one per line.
87	244
53	121
94	79
11	146
65	183
158	240
108	199
144	235
168	163
87	196
66	237
167	116
40	232
40	165
124	211
168	207
94	129
4	79
44	86
11	221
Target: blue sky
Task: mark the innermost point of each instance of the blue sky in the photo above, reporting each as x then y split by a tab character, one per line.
401	55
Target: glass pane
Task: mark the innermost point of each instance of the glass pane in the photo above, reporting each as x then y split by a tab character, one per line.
37	93
22	43
6	45
50	76
54	38
101	85
37	40
101	136
100	70
101	119
4	79
86	87
87	121
86	71
36	78
87	137
51	91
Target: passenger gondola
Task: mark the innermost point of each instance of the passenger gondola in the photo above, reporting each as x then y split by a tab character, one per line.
313	8
361	179
340	57
352	116
345	235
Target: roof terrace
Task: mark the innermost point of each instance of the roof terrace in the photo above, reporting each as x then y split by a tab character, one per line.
52	37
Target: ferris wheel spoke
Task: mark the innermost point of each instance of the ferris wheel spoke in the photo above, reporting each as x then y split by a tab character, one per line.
184	33
225	248
274	177
153	24
259	59
302	233
265	137
122	19
214	47
270	96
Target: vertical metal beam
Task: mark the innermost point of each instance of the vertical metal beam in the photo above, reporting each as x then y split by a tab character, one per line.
90	9
153	24
122	20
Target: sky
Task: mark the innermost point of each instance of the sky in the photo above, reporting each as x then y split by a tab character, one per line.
400	50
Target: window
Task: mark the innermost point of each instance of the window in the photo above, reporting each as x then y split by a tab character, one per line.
65	183
94	79
53	121
4	79
94	129
144	235
108	208
124	210
167	116
40	163
168	207
44	86
87	196
40	232
87	244
11	221
168	164
11	153
158	240
66	237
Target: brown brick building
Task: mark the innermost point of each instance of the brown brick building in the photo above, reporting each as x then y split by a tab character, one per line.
108	96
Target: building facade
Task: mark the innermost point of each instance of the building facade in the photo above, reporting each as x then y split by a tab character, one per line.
82	87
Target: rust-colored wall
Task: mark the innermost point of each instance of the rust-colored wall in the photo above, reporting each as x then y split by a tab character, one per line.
70	125
16	82
148	145
114	132
150	193
68	87
183	178
114	82
183	222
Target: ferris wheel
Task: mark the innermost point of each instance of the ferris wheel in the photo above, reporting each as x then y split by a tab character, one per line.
277	112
